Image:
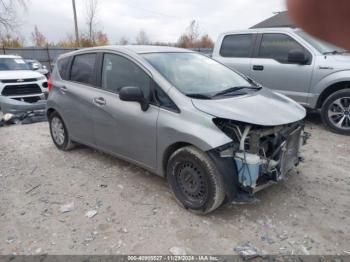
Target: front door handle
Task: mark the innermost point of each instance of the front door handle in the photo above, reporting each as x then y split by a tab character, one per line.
100	101
258	67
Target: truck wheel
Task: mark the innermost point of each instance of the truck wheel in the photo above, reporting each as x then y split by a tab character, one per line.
195	181
336	112
59	133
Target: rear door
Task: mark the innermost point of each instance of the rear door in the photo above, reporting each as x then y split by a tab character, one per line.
75	97
271	68
236	52
122	127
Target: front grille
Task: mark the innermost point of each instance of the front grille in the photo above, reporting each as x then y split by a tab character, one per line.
31	99
21	90
9	81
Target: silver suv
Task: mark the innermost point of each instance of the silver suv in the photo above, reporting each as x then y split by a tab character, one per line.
214	134
313	73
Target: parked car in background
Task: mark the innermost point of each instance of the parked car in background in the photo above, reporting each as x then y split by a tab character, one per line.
214	134
314	73
18	82
35	65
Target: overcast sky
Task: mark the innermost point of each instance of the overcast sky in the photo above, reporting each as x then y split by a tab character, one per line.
163	20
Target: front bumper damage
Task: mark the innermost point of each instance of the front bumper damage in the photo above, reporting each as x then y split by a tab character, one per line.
260	156
16	111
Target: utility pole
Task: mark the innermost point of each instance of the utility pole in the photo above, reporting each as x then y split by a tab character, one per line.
76	24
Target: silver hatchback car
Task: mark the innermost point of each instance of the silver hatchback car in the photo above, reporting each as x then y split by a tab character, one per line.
214	134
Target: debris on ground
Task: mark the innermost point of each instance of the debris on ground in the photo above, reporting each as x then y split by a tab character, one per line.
178	251
10	240
91	213
33	188
67	208
123	230
248	251
267	239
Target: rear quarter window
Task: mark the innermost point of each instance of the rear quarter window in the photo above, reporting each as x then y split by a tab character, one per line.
63	67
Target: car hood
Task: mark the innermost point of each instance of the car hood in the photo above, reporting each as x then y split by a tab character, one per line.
18	74
264	108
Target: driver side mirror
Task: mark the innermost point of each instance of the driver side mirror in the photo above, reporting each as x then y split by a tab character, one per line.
297	56
134	94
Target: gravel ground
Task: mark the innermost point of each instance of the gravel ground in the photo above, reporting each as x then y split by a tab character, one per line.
136	213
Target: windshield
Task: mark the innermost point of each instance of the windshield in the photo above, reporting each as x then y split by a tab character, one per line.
7	64
193	73
320	45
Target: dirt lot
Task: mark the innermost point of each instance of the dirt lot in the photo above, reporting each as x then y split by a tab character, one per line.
307	214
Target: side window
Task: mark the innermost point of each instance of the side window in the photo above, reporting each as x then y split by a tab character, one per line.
237	45
118	72
62	66
277	46
83	69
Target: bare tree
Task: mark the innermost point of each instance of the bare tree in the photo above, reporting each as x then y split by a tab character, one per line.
91	18
123	41
8	14
193	31
38	38
142	38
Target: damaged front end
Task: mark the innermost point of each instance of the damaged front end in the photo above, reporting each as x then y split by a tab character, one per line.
262	155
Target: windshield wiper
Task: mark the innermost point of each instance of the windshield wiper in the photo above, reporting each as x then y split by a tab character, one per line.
199	96
235	89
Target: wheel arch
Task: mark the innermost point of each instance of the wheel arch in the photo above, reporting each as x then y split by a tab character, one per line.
169	151
50	111
331	89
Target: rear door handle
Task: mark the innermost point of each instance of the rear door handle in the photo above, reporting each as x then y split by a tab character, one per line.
100	101
258	67
63	89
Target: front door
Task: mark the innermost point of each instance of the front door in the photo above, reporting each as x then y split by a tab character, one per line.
272	69
122	127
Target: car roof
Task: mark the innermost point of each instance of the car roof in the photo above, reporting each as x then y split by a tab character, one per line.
10	56
260	30
135	49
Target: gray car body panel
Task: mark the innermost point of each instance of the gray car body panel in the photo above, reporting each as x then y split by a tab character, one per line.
148	135
264	108
302	83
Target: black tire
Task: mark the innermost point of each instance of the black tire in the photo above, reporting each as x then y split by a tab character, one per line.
66	144
330	106
195	181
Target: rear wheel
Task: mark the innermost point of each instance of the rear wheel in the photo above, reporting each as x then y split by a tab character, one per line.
59	133
195	181
336	112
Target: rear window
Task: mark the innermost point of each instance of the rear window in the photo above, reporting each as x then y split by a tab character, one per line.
83	69
62	66
237	45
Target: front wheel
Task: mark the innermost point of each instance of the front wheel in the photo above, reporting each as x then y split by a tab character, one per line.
196	183
336	112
